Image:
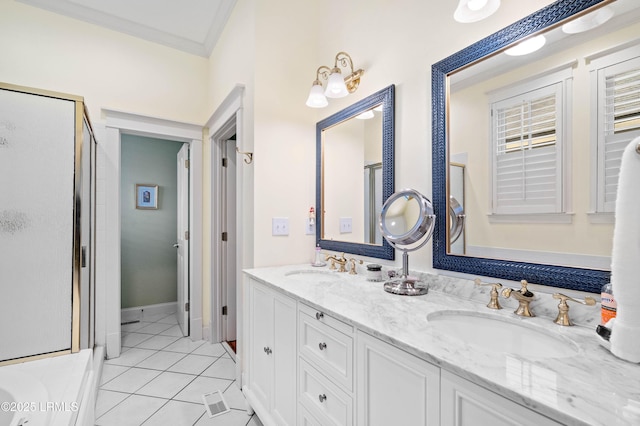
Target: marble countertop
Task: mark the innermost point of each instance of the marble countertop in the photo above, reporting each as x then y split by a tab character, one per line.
592	387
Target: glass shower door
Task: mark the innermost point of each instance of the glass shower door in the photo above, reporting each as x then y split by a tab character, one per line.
37	223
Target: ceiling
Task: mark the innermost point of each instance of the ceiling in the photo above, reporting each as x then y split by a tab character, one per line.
192	26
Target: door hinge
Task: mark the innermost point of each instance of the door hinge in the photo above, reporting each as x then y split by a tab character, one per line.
186	306
224	310
224	236
186	235
187	163
224	162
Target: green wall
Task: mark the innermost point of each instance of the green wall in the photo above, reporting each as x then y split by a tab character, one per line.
148	257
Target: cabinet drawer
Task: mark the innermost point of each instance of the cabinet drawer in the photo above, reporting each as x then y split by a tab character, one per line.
305	418
326	401
326	319
330	350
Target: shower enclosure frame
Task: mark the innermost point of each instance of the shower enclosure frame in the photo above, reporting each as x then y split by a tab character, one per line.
82	308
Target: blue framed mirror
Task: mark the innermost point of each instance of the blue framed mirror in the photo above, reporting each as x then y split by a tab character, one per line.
354	176
482	62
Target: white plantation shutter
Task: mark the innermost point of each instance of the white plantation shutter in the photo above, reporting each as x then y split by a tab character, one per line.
618	124
527	144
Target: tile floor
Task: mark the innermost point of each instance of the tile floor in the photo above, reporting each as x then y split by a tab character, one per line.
160	377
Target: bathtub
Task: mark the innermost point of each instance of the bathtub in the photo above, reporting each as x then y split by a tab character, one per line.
21	397
53	391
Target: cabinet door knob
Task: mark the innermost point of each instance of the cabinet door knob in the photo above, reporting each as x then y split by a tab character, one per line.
267	350
322	345
319	315
322	397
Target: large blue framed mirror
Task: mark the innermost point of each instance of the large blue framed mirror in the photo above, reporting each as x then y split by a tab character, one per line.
464	134
354	175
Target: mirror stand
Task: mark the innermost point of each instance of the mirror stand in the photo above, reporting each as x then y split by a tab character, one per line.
407	222
406	285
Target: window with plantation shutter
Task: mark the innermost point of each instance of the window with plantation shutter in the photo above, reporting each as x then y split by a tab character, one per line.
618	122
527	152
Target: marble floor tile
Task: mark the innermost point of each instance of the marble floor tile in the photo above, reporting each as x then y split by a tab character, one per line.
161	377
184	345
199	386
161	360
176	413
192	364
166	385
154	328
131	380
157	342
133	411
131	357
109	371
106	400
223	368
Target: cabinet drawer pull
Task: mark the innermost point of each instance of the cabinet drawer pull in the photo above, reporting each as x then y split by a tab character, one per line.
319	315
267	350
322	397
322	345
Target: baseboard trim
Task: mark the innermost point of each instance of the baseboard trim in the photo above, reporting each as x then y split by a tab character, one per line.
137	313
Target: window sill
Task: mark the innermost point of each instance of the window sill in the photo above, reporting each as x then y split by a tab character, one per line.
601	217
562	218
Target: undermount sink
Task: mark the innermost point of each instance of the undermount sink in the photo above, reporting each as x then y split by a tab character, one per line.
501	335
314	275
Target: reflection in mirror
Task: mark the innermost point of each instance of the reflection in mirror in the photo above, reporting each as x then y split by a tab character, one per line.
407	222
539	186
353	150
457	216
355	175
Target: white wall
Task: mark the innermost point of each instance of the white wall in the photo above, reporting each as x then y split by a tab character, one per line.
111	70
274	49
395	42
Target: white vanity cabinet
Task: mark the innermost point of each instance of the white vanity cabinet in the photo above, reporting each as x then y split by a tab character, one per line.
325	369
271	387
394	387
467	404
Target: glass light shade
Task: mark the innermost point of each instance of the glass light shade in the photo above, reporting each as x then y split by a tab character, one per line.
588	22
316	97
365	115
336	88
475	10
527	46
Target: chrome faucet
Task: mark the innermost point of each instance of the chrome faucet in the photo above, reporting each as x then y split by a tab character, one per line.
342	261
523	296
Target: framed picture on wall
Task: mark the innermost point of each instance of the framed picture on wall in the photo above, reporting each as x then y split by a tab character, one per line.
146	196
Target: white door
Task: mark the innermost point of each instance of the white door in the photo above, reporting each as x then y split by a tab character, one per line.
228	252
182	244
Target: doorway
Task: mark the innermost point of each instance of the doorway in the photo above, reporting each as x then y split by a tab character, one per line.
117	124
225	263
228	263
154	203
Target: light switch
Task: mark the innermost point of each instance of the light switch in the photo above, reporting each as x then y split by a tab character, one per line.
280	226
346	223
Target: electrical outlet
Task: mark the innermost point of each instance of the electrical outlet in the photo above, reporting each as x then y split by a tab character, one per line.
309	228
346	225
280	226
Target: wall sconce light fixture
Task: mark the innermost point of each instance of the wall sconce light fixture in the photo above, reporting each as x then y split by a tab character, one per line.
337	85
475	10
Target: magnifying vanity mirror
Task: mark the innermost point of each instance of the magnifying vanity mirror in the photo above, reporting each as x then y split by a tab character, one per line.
407	222
354	175
537	136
